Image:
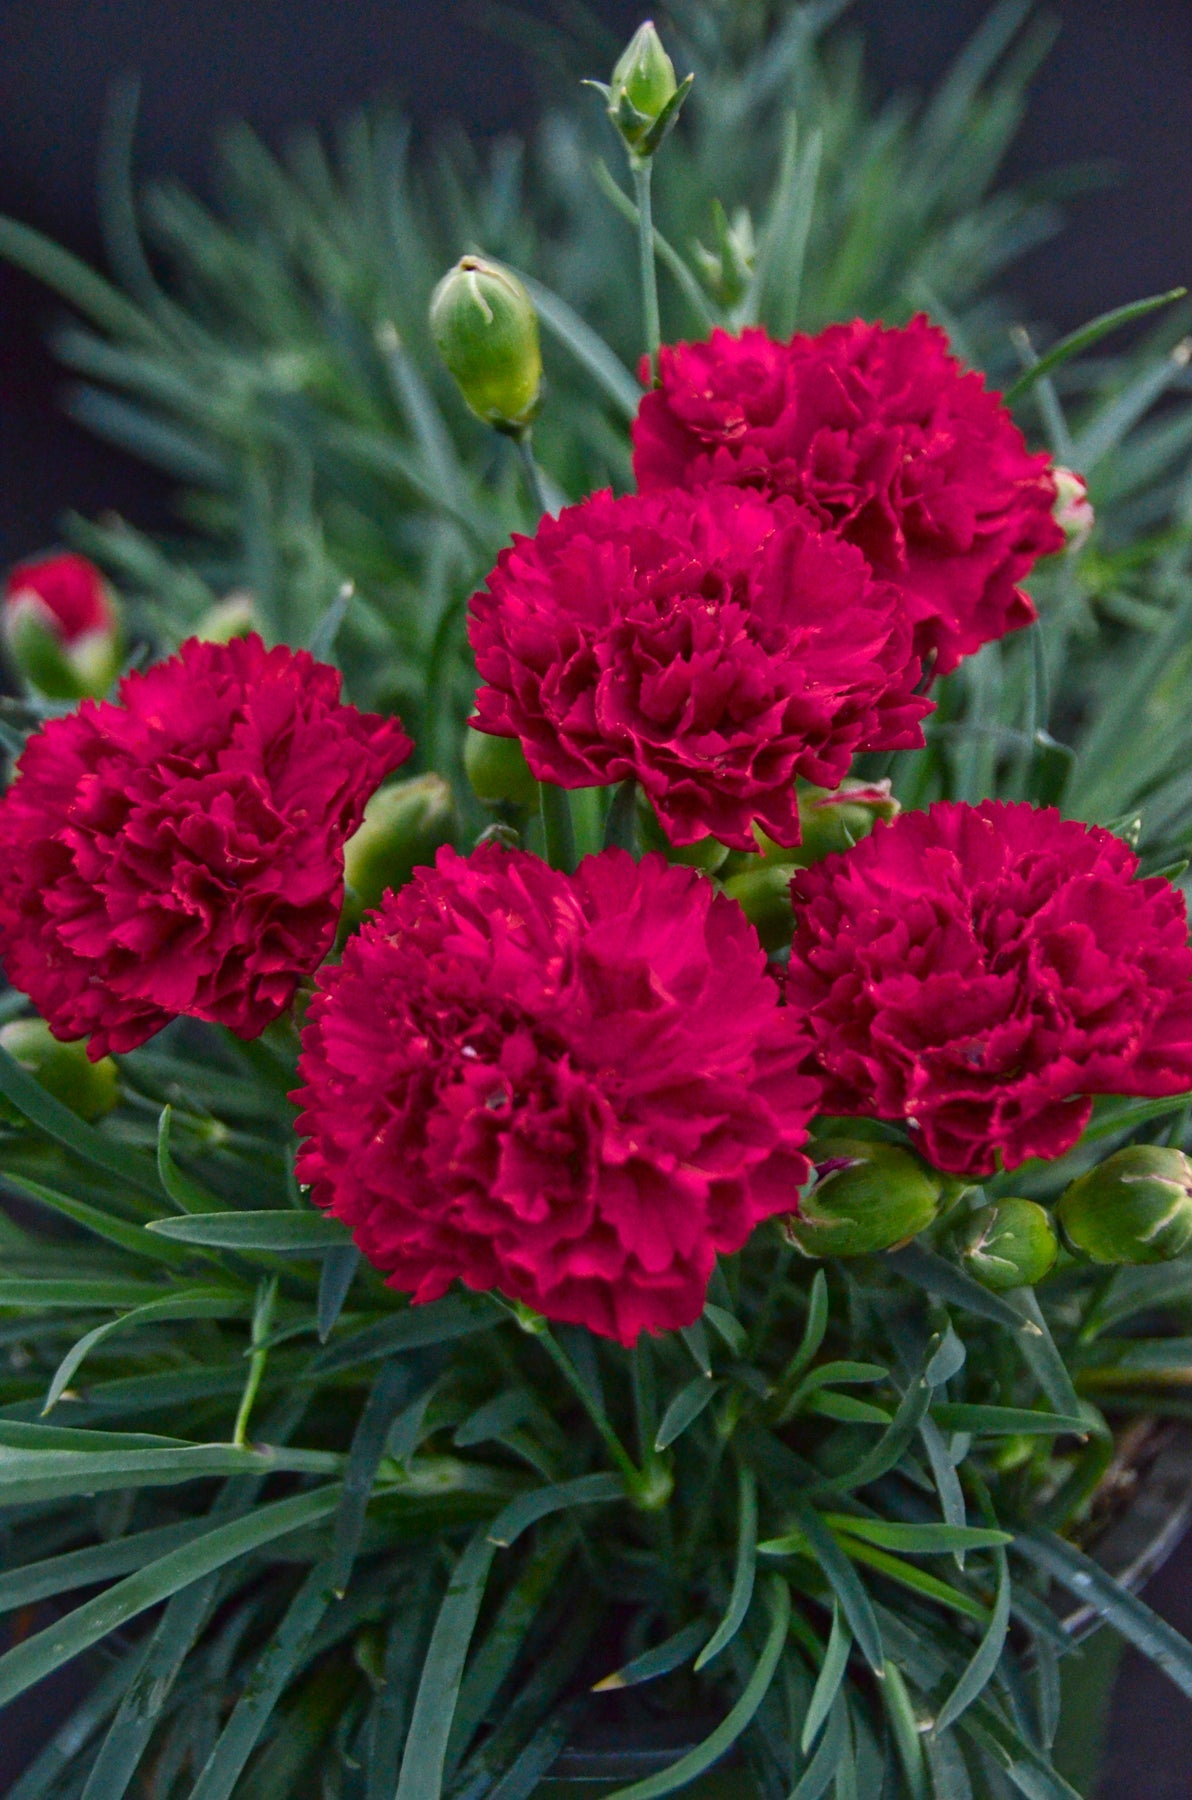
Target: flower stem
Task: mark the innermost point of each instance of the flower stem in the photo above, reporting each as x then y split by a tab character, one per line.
558	827
643	168
571	1375
530	470
262	1320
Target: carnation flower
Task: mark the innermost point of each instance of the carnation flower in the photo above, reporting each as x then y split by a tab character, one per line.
69	590
61	627
712	645
977	972
182	851
574	1089
886	437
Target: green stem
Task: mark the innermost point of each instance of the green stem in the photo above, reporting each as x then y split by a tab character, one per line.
557	827
571	1375
262	1321
530	470
643	168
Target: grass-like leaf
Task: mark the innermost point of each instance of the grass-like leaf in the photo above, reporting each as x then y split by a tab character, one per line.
421	1775
980	1670
827	1682
744	1569
685	1409
1086	336
527	1509
279	1232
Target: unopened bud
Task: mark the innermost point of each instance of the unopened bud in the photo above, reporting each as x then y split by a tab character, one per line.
232	617
763	892
869	1196
498	770
90	1089
404	824
644	96
728	269
1073	510
62	628
1009	1245
832	820
485	326
1136	1207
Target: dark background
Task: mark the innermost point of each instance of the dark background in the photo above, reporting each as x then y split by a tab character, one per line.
1118	85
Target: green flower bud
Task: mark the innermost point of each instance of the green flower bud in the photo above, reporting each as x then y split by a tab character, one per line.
763	892
644	96
869	1196
61	626
90	1089
1136	1207
498	770
404	824
1009	1245
232	617
485	326
728	269
832	820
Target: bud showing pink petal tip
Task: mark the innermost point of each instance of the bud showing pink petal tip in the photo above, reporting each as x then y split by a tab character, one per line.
1010	1245
869	1196
486	329
90	1089
1073	510
62	628
1136	1207
832	820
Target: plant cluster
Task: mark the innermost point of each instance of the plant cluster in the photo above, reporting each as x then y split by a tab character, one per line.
664	1211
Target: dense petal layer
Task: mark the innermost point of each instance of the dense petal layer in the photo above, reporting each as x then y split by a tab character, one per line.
978	972
574	1089
182	851
888	440
713	646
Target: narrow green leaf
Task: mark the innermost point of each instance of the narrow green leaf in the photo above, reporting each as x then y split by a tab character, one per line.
188	1195
322	641
527	1509
87	1568
39	1294
414	1328
924	1269
271	1674
904	1729
78	284
671	1654
389	1393
845	1407
910	1575
845	1582
980	1670
558	827
1088	1582
421	1775
197	1303
620	827
133	1238
43	1779
685	1409
588	349
1044	1360
39	1106
87	1624
827	1682
727	1327
892	1444
744	1570
28	1477
918	1540
279	1232
1006	1421
813	1337
945	1362
1085	337
335	1279
820	1772
778	1601
696	1339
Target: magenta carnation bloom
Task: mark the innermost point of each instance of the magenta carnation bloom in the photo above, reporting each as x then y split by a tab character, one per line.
713	645
977	972
574	1089
883	434
69	592
182	851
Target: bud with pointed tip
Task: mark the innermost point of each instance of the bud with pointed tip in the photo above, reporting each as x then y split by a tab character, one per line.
404	824
498	770
1073	510
486	329
728	269
1136	1207
644	97
763	892
869	1196
832	820
1010	1245
62	627
90	1089
232	617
